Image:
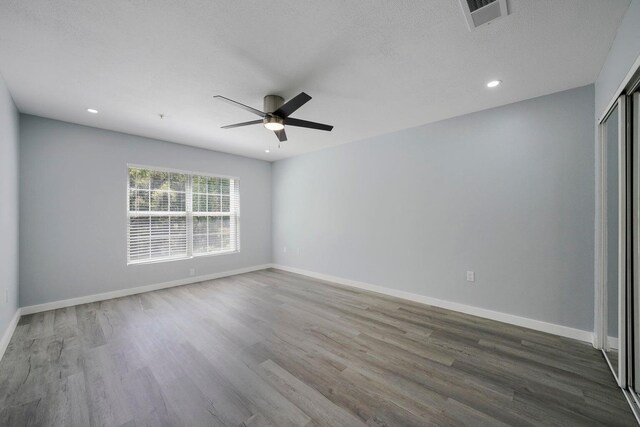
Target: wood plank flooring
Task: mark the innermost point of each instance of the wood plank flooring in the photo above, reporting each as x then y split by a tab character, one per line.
271	348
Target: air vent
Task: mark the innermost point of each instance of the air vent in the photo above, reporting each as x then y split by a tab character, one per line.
480	12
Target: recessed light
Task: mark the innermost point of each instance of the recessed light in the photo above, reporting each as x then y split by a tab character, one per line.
494	83
266	151
92	111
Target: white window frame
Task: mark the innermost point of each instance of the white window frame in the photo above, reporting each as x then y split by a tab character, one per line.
188	213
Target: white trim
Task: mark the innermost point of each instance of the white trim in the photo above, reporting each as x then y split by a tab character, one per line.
132	291
600	265
601	339
8	333
188	214
181	258
620	89
622	240
634	143
538	325
181	171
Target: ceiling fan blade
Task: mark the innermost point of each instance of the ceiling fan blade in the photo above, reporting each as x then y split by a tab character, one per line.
237	125
306	124
244	107
292	105
282	136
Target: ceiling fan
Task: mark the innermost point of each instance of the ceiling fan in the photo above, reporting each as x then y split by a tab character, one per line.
276	114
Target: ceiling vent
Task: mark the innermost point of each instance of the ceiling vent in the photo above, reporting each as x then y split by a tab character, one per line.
480	12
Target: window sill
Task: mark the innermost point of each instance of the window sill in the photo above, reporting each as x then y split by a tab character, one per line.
204	255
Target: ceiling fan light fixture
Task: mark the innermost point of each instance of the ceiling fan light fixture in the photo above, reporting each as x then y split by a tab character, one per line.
274	126
276	114
273	123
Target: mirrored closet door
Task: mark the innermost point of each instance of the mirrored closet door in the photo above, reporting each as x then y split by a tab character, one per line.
633	319
618	240
613	158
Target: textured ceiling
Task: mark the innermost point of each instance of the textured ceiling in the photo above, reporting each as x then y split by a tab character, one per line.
372	66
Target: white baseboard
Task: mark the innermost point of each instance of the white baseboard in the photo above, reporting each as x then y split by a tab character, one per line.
8	333
612	342
54	305
538	325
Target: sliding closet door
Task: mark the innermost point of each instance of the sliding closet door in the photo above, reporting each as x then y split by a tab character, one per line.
611	242
635	318
614	245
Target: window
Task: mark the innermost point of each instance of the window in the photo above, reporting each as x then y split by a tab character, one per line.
174	215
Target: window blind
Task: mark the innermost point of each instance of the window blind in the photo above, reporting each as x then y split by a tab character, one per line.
173	215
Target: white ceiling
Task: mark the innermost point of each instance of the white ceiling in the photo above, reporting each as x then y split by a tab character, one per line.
372	66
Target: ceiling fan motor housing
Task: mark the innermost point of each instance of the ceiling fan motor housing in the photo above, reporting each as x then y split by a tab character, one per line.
272	103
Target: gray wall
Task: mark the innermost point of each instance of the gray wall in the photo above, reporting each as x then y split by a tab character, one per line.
8	207
623	53
506	192
73	210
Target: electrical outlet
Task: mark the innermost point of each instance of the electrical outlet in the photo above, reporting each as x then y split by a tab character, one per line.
192	272
471	276
284	249
297	251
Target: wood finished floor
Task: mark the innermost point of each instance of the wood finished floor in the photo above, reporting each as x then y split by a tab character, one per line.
271	348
